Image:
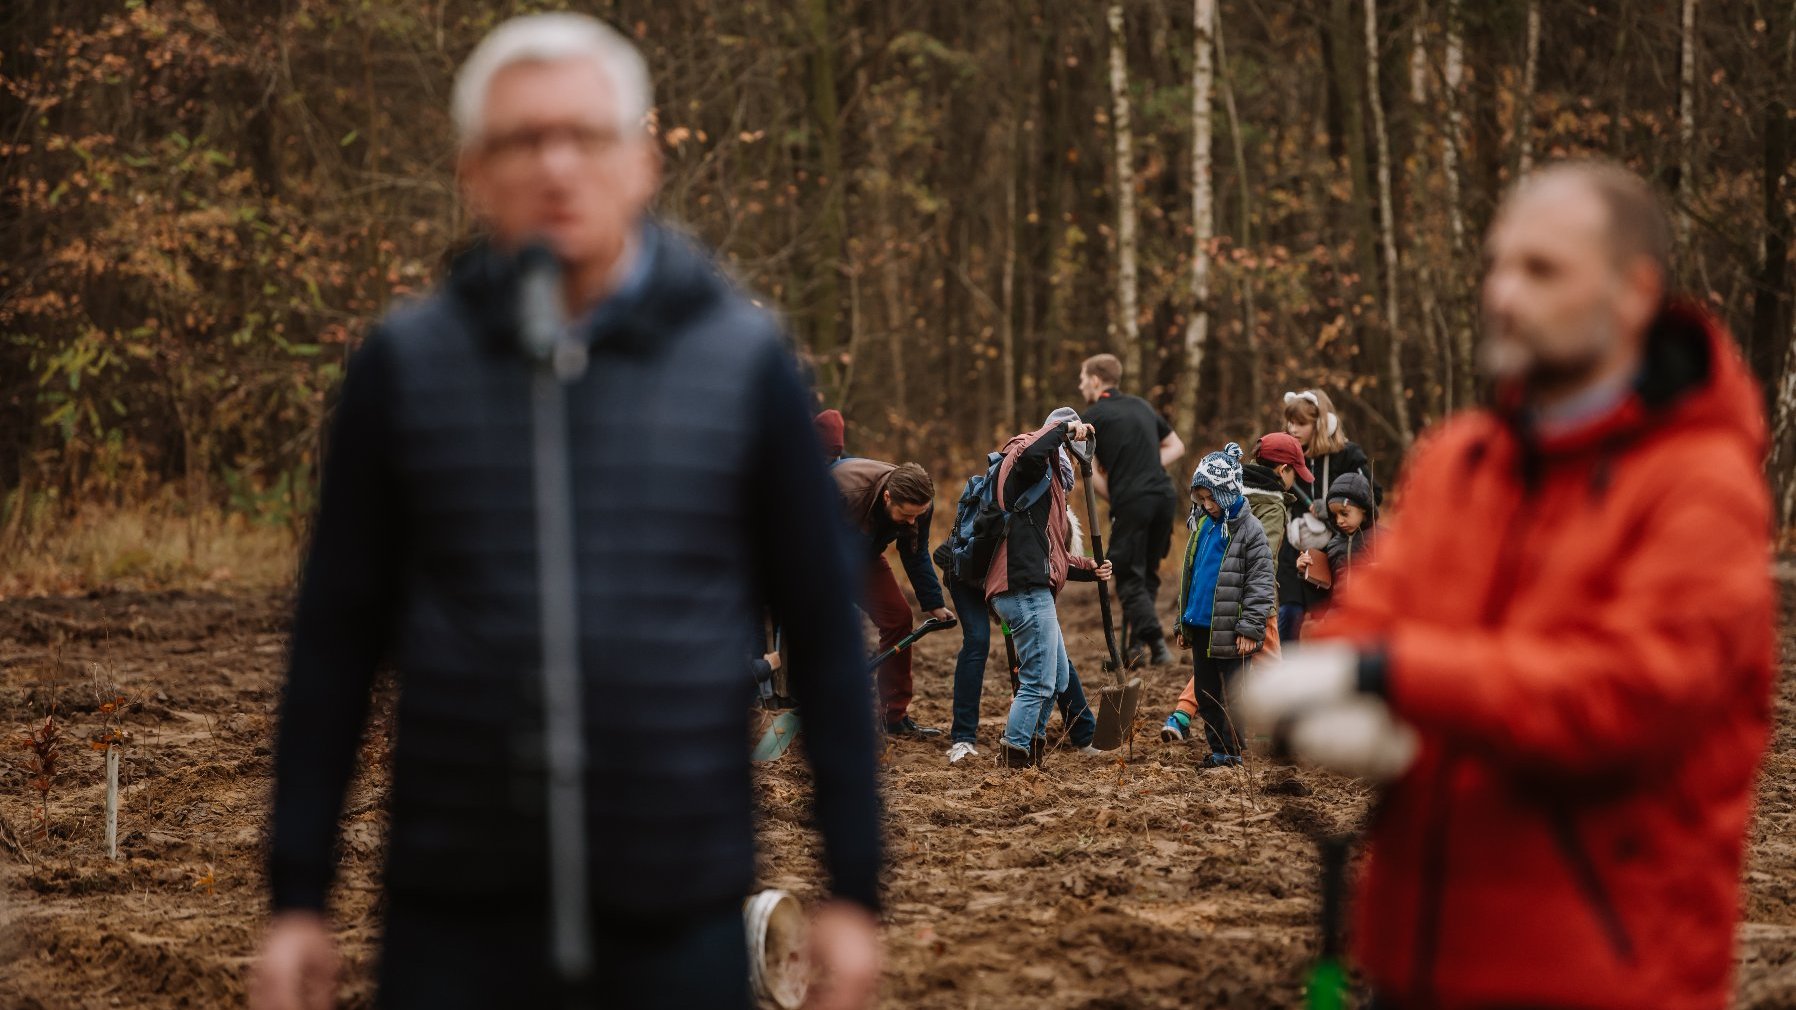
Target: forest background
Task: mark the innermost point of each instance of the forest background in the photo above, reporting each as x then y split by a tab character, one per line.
204	204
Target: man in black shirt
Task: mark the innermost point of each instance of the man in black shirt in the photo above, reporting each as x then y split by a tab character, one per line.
681	455
1135	446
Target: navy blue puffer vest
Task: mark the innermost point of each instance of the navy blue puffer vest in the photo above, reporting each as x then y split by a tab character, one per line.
659	434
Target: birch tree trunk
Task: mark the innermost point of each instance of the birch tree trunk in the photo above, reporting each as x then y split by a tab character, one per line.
1387	227
1774	302
1440	391
1126	329
1007	286
1782	465
1203	211
1686	125
1454	78
1524	110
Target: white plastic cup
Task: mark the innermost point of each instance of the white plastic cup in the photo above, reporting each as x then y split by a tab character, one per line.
777	964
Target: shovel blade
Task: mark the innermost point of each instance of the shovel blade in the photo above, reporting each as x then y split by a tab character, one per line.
778	738
1116	714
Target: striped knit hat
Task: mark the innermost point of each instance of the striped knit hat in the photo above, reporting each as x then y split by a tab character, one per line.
1221	473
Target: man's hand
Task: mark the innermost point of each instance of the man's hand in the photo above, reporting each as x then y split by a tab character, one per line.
299	965
773	660
1178	638
1104	571
942	614
1247	646
1309	677
1357	737
845	957
1079	431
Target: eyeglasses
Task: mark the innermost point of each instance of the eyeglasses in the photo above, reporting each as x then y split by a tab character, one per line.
517	147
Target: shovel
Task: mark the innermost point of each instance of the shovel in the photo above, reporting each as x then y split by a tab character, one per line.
928	627
1326	988
1118	700
779	736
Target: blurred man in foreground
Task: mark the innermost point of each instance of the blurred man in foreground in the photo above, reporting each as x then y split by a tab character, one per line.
694	476
1563	656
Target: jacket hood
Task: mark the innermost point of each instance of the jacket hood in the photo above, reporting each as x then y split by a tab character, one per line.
1261	478
1691	376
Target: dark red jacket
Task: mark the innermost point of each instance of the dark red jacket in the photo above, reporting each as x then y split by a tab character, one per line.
1582	631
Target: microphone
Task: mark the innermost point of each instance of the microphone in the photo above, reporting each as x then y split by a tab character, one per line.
541	320
542	323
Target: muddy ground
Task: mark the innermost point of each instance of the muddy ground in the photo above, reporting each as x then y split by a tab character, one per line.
1093	883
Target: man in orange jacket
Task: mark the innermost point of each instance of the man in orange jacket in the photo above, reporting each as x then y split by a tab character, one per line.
1562	659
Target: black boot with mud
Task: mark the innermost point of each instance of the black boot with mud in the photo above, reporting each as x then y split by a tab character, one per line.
907	729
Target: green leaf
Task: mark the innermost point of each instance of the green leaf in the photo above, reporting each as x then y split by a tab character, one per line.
348	139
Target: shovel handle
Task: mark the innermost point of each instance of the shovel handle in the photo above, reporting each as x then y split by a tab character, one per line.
927	627
1097	554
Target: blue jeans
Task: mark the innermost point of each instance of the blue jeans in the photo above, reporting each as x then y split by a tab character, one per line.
1044	671
969	673
1290	622
969	666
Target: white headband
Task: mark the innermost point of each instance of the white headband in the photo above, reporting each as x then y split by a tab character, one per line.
1334	423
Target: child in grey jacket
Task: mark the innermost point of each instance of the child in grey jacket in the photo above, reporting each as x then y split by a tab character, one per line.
1225	595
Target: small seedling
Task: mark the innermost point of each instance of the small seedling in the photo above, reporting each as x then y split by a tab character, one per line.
110	737
44	745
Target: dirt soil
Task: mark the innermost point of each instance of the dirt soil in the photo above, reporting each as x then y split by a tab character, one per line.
1092	883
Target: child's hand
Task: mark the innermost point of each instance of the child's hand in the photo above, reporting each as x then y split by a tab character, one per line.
1104	571
773	660
1179	638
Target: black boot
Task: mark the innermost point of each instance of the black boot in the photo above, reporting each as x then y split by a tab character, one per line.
1160	654
1038	746
1137	656
1011	757
909	730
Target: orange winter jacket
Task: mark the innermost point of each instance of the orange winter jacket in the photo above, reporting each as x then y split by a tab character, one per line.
1581	629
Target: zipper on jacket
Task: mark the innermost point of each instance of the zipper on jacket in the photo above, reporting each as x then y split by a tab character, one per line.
1210	642
1590	883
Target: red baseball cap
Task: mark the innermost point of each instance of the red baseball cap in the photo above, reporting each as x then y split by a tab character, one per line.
1278	447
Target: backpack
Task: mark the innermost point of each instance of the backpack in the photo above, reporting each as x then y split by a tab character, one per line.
981	524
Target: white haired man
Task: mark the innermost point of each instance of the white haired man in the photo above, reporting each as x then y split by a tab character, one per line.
695	475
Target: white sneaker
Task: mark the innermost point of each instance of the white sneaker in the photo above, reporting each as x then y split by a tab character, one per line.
1089	749
960	751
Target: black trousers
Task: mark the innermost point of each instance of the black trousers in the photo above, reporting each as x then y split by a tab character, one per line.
442	953
1140	536
1214	678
